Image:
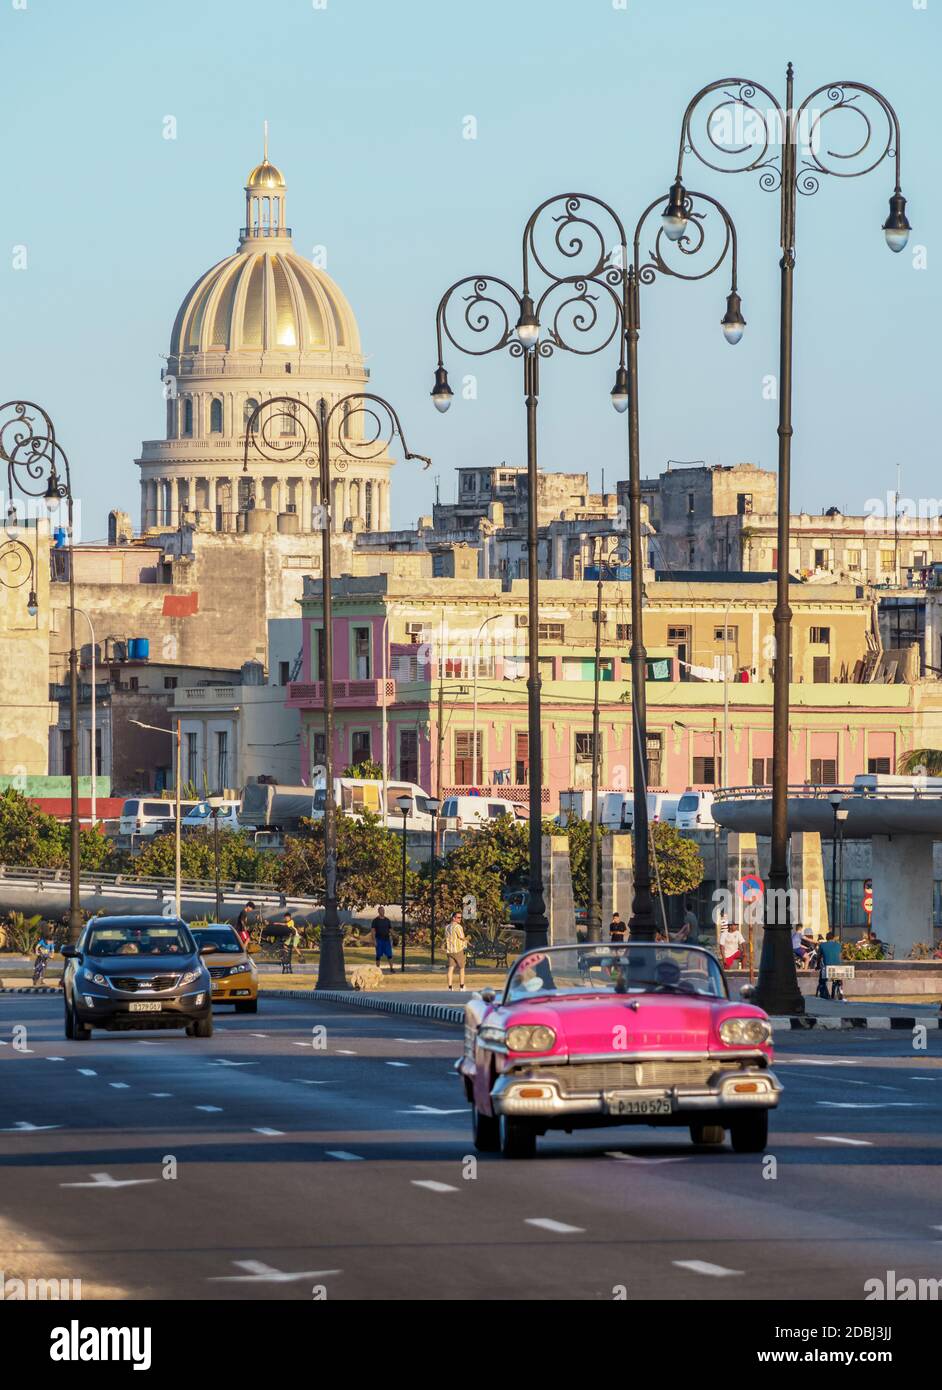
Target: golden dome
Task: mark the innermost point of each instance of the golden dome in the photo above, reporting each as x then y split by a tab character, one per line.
265	175
264	300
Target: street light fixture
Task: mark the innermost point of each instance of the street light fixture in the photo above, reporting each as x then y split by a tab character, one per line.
38	466
405	807
310	435
777	989
433	806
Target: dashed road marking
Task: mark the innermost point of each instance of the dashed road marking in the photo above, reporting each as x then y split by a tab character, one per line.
433	1186
546	1223
397	1064
342	1154
210	1109
704	1267
119	1085
86	1071
841	1139
24	1127
258	1273
262	1130
161	1095
106	1180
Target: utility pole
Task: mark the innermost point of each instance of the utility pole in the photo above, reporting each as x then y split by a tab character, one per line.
594	914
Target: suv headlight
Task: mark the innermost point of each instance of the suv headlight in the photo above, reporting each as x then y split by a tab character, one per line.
190	977
94	978
745	1030
530	1038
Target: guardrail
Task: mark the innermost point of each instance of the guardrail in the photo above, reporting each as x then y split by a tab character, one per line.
92	879
824	792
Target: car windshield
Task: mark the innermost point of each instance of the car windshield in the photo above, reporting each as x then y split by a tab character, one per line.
599	969
217	939
139	940
688	803
199	812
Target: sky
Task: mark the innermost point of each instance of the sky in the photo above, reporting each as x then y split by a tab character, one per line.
369	104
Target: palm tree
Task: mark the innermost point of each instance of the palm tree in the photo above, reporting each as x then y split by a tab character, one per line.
924	761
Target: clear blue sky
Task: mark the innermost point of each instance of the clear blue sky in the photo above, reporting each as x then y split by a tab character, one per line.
366	100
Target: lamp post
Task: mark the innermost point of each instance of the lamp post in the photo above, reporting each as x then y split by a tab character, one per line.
156	729
594	913
93	759
836	800
405	806
434	806
841	817
214	812
38	466
739	98
285	429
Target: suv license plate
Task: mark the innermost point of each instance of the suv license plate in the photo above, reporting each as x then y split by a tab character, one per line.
633	1105
145	1006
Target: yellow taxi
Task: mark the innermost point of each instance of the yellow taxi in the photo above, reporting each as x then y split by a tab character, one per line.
231	969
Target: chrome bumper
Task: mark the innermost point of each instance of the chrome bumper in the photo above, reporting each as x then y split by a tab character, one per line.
508	1099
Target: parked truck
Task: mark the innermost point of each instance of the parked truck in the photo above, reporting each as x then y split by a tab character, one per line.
274	806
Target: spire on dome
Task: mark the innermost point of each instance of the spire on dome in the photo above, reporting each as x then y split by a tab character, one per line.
265	200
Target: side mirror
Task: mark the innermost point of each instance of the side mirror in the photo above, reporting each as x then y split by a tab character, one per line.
747	991
488	995
70	953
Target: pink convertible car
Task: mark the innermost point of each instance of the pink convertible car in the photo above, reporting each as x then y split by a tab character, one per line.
602	1034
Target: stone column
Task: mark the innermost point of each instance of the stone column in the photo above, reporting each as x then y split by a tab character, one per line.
557	880
211	502
742	857
806	877
902	890
385	523
617	878
173	503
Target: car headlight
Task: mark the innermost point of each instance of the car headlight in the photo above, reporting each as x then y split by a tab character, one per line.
745	1030
95	979
190	977
527	1038
239	969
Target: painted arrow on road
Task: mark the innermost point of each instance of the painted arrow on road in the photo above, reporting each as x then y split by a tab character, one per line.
24	1126
259	1273
106	1180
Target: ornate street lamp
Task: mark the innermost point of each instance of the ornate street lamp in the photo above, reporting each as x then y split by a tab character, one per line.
571	245
323	439
875	136
37	466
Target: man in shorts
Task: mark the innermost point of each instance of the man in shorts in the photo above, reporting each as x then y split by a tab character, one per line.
455	945
382	934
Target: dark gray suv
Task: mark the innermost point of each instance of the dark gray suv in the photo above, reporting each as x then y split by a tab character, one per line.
136	972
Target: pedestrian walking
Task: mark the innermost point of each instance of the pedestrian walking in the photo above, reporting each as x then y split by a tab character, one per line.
830	954
243	923
382	936
290	944
455	945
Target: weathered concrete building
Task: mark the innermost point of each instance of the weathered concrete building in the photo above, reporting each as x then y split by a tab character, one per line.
26	711
698	513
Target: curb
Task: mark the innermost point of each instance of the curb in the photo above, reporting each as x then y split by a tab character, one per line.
839	1024
442	1013
30	989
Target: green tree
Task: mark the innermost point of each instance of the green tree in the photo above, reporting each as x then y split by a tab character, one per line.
579	834
679	866
239	860
925	761
28	836
369	862
368	770
473	875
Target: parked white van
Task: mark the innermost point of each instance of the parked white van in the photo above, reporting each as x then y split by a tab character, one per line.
695	810
469	812
354	795
140	816
201	816
661	807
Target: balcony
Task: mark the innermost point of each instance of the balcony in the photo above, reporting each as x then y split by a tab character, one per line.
207	696
366	694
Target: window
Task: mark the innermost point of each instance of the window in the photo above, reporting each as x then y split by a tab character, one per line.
222	758
360	746
289	419
368	505
192	758
743	503
251	405
361	653
878	766
584	748
133	682
691	504
215	417
187	416
552	632
821	635
522	759
409	755
170	682
691	554
726	634
824	772
705	771
466	774
319	749
920	559
887	561
762	772
654	753
623	632
317	654
852	559
284	671
820	559
821	670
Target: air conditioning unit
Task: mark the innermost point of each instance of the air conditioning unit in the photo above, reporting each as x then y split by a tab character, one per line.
415	629
521	620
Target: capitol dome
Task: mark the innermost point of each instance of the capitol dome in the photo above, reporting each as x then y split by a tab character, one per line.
263	322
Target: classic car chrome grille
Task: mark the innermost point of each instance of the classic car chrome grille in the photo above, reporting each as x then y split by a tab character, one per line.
583	1077
131	983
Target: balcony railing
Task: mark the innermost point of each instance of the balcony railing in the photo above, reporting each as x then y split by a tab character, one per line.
355	692
207	695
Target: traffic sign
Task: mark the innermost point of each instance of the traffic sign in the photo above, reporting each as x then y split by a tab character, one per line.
868	901
751	889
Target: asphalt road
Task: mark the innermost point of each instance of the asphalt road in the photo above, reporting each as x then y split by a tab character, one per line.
346	1169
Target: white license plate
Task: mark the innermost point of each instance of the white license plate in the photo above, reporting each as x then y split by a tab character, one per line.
635	1105
145	1006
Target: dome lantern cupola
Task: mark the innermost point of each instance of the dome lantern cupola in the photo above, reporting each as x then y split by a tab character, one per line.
265	201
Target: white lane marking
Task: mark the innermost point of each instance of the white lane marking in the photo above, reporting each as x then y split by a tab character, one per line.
119	1085
397	1064
210	1109
704	1267
295	1043
342	1153
345	1052
55	1059
432	1110
638	1158
840	1139
817	1062
267	1131
424	1040
923	1078
161	1095
433	1186
258	1035
560	1228
224	1062
935	1228
86	1071
872	1104
259	1273
106	1180
305	1082
24	1126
